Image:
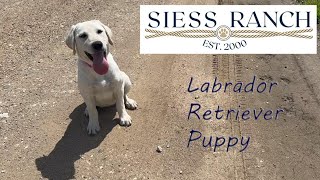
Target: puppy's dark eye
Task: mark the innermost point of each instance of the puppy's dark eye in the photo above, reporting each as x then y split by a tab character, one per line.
99	31
83	35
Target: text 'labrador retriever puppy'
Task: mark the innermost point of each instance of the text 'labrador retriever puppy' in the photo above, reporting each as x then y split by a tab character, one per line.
100	81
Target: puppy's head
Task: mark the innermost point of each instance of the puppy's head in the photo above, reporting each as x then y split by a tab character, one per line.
90	40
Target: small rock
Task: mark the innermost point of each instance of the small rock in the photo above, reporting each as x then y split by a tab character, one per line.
4	115
168	146
197	97
3	171
180	172
159	149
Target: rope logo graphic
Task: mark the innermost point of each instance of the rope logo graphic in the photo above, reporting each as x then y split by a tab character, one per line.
223	33
228	29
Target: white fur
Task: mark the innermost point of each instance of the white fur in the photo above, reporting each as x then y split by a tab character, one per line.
99	90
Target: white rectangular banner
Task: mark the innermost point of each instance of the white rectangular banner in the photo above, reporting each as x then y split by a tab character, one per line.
228	29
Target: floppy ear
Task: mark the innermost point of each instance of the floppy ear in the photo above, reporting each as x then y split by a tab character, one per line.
70	39
108	32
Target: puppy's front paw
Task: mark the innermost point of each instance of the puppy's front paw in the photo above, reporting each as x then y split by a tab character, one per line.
125	121
93	127
86	113
131	104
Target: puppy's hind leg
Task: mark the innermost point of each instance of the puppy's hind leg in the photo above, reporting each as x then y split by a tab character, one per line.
130	103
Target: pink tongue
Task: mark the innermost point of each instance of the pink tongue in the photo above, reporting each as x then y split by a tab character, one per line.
100	64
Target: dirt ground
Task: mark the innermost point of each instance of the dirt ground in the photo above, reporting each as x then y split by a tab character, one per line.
45	137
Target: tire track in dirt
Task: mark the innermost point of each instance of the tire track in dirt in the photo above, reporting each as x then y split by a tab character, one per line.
217	163
222	67
226	68
240	100
231	71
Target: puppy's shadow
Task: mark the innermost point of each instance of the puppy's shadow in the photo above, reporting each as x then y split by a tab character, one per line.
59	164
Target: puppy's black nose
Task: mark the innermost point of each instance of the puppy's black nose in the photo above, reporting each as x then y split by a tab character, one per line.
97	45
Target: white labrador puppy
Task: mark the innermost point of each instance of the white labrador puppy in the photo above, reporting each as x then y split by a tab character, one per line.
100	81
